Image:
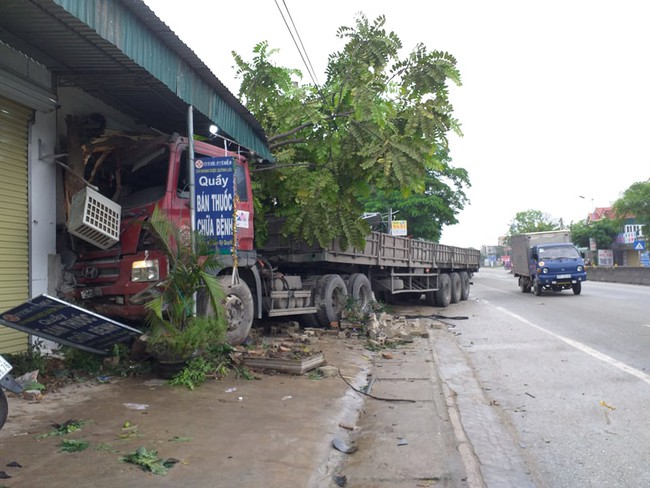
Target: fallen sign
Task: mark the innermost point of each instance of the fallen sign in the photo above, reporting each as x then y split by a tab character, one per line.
294	366
50	318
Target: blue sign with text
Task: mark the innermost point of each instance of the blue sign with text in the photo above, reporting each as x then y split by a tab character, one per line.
214	207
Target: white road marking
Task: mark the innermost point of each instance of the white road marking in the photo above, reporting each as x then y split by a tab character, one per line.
584	348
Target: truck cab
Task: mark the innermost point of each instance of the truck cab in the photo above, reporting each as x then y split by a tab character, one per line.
556	267
547	261
138	175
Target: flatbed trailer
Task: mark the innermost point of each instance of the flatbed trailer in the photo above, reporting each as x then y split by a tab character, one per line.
393	264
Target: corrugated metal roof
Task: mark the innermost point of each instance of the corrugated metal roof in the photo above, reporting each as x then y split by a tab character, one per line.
122	53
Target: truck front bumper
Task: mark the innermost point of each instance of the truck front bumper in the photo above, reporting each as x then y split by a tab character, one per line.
561	279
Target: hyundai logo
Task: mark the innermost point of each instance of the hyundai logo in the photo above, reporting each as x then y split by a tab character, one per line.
90	272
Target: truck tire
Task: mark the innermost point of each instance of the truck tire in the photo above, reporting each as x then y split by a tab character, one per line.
524	284
577	288
360	290
464	285
331	295
238	304
4	408
455	287
537	288
443	294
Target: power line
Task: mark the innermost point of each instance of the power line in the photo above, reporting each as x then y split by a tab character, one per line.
301	48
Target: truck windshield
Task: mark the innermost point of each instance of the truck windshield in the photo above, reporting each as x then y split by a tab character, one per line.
126	175
558	252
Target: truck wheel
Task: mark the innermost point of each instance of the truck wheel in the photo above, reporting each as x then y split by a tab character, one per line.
522	285
577	288
443	294
331	294
4	408
455	287
238	305
464	285
360	290
537	288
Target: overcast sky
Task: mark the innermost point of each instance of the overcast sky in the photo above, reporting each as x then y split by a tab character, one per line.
555	101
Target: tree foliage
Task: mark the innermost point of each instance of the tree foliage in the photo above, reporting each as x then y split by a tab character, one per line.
531	221
635	202
604	231
378	125
426	213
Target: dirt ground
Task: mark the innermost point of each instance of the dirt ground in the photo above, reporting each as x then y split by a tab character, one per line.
271	431
279	430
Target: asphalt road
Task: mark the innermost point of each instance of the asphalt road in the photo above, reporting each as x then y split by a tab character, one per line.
560	389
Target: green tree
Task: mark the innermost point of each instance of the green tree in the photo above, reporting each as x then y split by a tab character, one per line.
604	231
635	202
426	213
531	221
379	123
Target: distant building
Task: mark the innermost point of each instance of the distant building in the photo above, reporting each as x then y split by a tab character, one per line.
629	248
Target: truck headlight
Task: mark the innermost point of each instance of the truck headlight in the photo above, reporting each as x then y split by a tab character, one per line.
579	269
147	270
545	271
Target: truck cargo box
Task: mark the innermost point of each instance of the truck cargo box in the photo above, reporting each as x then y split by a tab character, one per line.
521	244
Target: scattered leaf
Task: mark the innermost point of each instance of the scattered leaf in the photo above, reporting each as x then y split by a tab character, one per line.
148	460
73	445
65	428
177	438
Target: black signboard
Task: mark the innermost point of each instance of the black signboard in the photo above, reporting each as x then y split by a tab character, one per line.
62	322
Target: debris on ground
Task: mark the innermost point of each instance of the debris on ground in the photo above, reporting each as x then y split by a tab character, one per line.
344	447
341	480
73	445
136	406
285	347
148	460
65	428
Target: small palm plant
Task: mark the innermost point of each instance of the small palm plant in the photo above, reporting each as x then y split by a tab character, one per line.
175	331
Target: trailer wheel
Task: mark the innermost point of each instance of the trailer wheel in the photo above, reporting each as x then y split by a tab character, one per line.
455	287
238	305
464	285
360	290
443	294
4	408
577	288
537	288
330	298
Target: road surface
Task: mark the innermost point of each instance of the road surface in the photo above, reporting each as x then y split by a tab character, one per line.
553	390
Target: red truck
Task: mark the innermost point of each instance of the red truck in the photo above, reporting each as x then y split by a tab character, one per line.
118	267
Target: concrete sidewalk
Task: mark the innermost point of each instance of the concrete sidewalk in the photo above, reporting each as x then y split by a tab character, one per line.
275	432
406	437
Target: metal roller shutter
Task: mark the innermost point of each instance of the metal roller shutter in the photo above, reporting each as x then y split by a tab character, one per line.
14	215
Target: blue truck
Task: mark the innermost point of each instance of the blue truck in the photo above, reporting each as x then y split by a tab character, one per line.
547	261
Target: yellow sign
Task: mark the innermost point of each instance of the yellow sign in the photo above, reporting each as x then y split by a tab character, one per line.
398	228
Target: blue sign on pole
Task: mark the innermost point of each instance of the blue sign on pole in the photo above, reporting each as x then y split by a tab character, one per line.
62	322
214	208
639	245
645	259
